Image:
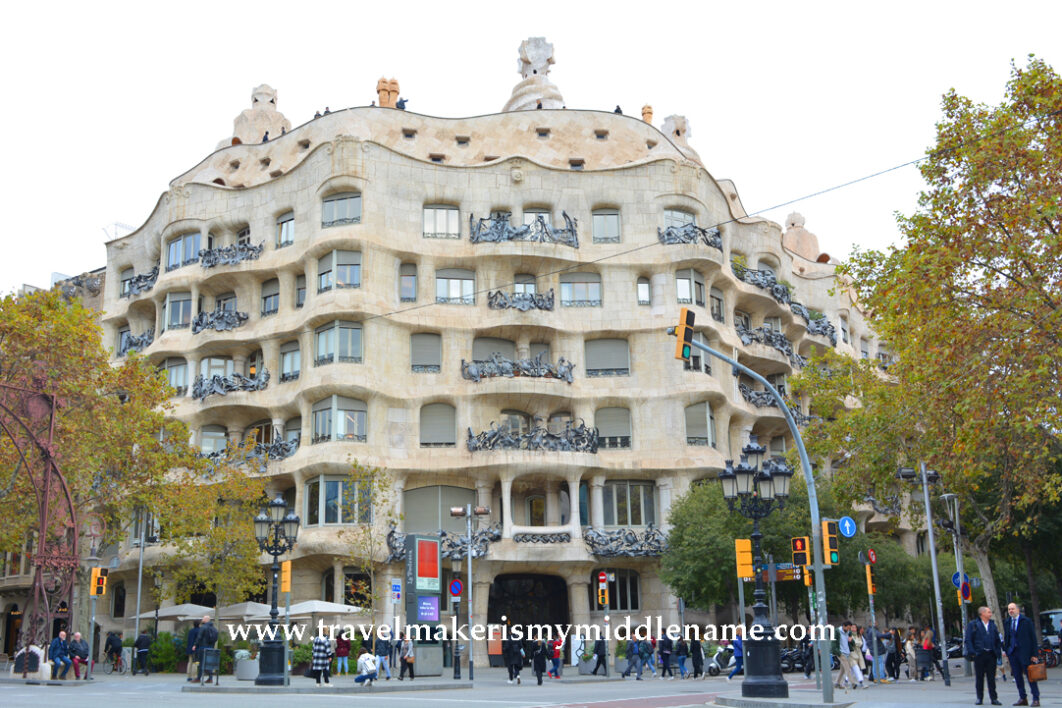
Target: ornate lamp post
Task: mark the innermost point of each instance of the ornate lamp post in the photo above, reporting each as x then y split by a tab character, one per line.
276	528
757	491
469	512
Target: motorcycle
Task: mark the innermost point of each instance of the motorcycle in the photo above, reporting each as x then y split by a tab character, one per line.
723	659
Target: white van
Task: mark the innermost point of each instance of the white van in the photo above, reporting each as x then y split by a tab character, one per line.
1051	625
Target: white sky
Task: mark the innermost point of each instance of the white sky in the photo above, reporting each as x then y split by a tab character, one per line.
104	103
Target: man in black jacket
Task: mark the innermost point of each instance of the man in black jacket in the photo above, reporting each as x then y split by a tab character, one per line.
205	639
141	647
1019	641
981	645
600	650
189	650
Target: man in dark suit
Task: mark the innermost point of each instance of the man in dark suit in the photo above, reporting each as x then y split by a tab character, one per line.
1019	641
981	645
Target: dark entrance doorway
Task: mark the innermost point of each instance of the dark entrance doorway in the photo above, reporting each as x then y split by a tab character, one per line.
528	599
12	626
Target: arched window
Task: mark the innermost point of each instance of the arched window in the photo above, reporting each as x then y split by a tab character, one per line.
700	424
614	427
438	425
340	209
624	590
678	218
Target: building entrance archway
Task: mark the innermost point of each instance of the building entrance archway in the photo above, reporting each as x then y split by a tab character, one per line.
528	599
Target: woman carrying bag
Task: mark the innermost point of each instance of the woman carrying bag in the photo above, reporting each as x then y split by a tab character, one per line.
405	655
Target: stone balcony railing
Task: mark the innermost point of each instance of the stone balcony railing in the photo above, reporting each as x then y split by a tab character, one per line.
763	279
205	386
498	229
497	300
132	343
625	543
230	255
574	438
219	320
690	233
141	283
498	365
816	325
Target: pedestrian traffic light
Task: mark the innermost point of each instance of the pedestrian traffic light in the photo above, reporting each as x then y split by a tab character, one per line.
98	584
602	597
800	551
830	550
871	588
285	576
743	551
684	332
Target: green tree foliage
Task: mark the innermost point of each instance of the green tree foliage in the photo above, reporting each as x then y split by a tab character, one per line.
970	309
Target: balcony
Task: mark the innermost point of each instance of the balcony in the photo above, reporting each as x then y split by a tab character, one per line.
689	234
763	279
771	338
219	320
615	442
497	300
140	283
230	255
324	360
289	376
595	373
438	444
498	365
131	343
580	303
498	229
574	438
456	300
816	322
426	368
697	441
206	386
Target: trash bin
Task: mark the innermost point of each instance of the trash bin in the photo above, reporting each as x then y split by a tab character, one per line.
212	663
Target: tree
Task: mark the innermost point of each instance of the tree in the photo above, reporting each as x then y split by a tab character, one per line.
970	309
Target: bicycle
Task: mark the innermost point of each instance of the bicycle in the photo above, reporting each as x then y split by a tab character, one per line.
117	663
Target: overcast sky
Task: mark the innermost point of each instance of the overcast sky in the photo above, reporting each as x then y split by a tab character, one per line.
104	103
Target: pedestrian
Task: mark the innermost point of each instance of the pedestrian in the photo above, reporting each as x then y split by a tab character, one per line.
556	647
342	654
367	671
189	650
924	655
697	655
634	659
981	646
113	646
739	652
648	652
806	658
205	640
665	647
142	646
512	655
601	652
682	652
321	659
538	659
843	648
856	644
383	655
79	654
406	657
59	655
882	642
910	648
1019	641
893	652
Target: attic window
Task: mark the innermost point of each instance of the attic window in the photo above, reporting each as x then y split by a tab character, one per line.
490	158
601	134
462	140
264	162
219	181
276	173
576	163
542	133
650	144
435	157
304	144
234	165
409	133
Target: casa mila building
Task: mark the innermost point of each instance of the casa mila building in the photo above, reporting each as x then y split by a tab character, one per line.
478	306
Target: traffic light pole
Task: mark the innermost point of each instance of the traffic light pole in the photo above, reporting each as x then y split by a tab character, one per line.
823	643
91	631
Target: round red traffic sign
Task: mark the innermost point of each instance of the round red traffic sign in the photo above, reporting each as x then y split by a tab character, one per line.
872	555
966	592
602	578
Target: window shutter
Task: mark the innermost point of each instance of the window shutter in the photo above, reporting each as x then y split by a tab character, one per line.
483	347
438	423
348	258
322	405
607	354
349	404
580	278
459	273
697	421
426	349
271	287
407	269
540	348
289	347
612	422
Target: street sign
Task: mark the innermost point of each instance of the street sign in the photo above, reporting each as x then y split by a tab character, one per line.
975	582
396	593
602	578
955	579
847	526
872	555
781	571
456	587
965	591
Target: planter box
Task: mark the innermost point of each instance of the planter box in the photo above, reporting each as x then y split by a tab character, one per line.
586	667
247	670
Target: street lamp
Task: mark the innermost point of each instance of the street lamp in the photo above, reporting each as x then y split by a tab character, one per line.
757	491
275	528
468	511
909	474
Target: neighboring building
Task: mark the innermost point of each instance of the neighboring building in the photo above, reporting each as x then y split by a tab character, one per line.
382	267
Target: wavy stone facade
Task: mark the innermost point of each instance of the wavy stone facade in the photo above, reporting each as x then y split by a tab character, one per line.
351	196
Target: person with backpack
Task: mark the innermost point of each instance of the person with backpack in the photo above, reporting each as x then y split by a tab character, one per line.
634	659
142	646
367	671
205	639
682	652
665	647
646	649
513	656
538	659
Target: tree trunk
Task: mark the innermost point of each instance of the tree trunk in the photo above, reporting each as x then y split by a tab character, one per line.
984	567
1034	596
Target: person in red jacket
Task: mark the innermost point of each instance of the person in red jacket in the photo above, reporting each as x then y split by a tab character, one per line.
556	646
342	654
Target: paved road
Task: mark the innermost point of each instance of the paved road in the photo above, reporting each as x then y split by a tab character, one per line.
491	691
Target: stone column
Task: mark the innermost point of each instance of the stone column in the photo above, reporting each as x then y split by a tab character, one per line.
306	352
271	359
338	581
507	506
579	599
597	501
575	528
664	488
286	283
278	429
480	600
193	372
660	285
552	503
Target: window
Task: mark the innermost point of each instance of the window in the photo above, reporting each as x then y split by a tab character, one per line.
338	339
644	296
438	425
580	290
559	421
126	277
216	366
742	320
700	425
778	446
183	250
341	269
442	221
773	323
255	362
339	418
614	427
531	216
715	297
270	297
178	310
766	267
300	290
525	284
341	209
690	286
540	348
454	286
678	218
577	163
427	509
336	500
293	430
535	507
778	381
483	347
864	348
290	361
285	229
261	433
629	503
623	590
118	601
425	352
177	375
407	282
123	340
226	302
243	236
517	422
212	439
844	329
607	357
698	361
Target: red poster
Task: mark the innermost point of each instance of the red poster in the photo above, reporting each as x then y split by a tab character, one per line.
428	577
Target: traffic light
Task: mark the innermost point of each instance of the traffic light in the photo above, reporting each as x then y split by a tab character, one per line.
602	597
743	551
871	588
800	550
830	550
809	579
98	584
684	333
285	576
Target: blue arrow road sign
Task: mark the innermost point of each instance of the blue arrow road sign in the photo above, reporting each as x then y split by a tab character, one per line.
847	526
955	579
